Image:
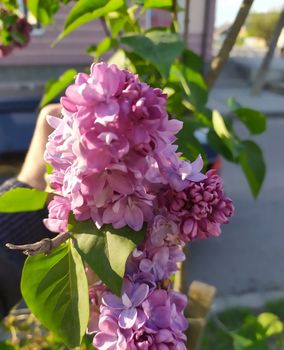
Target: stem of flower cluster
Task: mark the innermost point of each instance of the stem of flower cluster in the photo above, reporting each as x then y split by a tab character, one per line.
45	246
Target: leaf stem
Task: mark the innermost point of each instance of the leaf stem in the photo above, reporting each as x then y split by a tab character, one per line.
105	27
45	246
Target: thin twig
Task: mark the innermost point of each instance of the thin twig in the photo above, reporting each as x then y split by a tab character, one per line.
105	28
186	22
219	61
262	70
45	246
174	8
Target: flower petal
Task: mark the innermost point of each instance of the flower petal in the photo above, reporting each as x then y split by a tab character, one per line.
134	217
139	294
127	318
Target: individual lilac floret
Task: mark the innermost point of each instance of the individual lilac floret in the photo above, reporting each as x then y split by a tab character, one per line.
110	336
59	209
126	306
158	256
201	208
178	173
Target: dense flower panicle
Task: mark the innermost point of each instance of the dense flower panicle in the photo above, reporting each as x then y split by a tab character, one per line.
142	320
111	147
115	163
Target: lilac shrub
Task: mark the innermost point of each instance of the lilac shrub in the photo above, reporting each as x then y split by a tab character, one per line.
16	32
114	162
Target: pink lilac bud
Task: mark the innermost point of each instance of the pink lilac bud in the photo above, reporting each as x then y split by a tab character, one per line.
200	208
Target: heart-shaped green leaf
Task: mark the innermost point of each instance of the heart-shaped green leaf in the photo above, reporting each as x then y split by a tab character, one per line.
106	250
55	288
159	47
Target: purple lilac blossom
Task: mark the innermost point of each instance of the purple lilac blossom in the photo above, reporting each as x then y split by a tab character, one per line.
115	163
111	146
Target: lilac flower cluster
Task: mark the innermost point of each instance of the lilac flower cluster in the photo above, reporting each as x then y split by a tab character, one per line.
149	314
115	163
112	149
200	208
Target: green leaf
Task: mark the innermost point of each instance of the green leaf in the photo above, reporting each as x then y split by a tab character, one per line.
6	346
198	88
243	343
271	323
10	4
159	47
193	85
54	87
104	46
240	342
192	60
21	200
86	11
253	165
43	10
19	37
224	134
55	288
219	146
33	6
158	4
187	142
48	168
9	20
117	22
254	120
106	250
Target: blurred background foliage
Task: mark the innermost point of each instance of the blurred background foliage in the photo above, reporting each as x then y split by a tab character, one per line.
161	58
261	25
232	329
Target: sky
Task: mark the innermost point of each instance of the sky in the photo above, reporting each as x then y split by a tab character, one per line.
227	9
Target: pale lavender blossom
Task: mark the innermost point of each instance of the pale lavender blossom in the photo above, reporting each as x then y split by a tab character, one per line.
127	305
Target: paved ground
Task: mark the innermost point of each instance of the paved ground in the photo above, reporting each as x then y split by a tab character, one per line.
249	256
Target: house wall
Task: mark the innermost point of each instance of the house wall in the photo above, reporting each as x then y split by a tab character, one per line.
201	26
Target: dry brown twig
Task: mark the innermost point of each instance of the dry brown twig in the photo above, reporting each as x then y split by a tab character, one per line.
45	246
